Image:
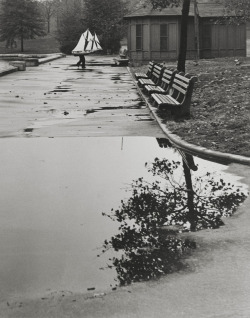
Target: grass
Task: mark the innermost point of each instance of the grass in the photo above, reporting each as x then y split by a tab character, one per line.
220	106
42	45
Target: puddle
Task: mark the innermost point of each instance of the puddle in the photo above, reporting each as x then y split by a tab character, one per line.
53	193
90	111
61	89
116	78
148	244
139	105
28	130
145	119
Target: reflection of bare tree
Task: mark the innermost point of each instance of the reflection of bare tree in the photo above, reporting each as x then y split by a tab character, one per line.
188	165
147	238
187	162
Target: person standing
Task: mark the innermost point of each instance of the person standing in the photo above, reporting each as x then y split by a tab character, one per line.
81	61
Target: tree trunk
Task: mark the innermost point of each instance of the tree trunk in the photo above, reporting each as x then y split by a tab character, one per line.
192	217
48	26
196	31
183	38
22	43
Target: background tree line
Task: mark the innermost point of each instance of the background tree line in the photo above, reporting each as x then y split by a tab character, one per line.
27	19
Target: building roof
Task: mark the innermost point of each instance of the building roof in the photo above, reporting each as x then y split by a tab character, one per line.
209	10
206	10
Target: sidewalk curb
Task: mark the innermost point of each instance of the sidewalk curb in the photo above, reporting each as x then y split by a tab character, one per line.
191	148
46	59
51	58
8	71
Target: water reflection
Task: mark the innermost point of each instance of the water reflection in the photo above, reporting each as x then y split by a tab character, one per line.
147	247
52	195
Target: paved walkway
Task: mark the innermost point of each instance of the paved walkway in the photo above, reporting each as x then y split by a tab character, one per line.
56	99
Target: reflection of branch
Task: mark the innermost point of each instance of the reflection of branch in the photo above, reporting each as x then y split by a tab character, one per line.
179	188
171	180
211	222
183	208
206	197
175	200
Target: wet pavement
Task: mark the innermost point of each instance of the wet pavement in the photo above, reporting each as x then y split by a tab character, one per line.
57	99
61	187
54	189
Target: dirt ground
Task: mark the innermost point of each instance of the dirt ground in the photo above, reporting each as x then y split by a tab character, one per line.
220	109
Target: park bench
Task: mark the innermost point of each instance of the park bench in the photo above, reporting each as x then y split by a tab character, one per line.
178	99
121	61
165	83
155	78
148	73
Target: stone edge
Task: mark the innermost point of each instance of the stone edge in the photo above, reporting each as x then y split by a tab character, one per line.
51	58
9	70
46	59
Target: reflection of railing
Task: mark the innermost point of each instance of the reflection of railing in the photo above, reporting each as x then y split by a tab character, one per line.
187	158
164	143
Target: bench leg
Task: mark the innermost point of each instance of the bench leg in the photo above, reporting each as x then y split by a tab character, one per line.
154	103
166	112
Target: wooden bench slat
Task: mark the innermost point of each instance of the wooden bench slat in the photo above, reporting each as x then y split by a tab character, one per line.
168	89
181	83
179	94
179	89
165	99
146	82
148	73
153	89
155	78
164	81
140	75
182	78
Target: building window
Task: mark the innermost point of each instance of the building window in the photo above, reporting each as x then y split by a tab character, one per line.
163	37
138	37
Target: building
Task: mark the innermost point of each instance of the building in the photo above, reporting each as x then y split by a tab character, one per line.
155	34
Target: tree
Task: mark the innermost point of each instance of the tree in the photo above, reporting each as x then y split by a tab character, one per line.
181	66
160	4
20	19
240	8
70	24
105	18
49	9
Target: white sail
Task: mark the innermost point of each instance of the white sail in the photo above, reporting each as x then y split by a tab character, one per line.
82	43
97	43
93	44
87	44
